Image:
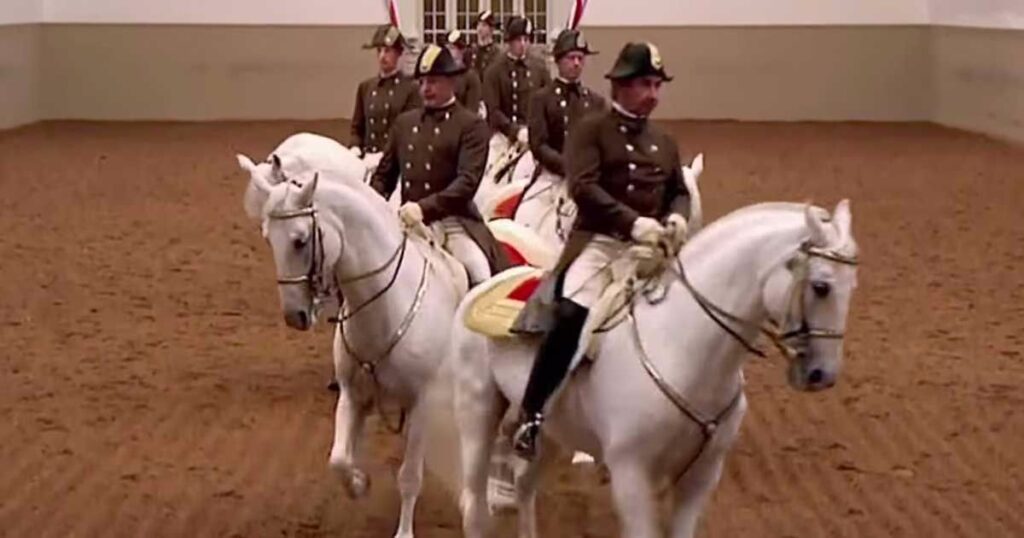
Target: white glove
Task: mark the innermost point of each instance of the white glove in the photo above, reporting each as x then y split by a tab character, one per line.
647	231
676	231
523	136
411	214
357	151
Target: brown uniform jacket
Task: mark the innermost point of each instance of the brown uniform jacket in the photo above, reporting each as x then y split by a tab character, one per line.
621	168
378	102
508	88
555	112
479	57
469	91
440	155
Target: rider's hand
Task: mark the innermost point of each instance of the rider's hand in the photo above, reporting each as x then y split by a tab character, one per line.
522	136
647	231
676	231
411	213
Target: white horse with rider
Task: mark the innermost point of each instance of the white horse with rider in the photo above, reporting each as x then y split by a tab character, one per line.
333	236
659	397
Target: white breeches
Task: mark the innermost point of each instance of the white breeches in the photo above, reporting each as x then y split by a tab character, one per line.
600	263
454	239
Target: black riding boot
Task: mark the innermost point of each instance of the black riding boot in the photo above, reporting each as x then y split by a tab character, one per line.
550	366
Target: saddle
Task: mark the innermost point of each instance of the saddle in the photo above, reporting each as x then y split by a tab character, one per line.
494	311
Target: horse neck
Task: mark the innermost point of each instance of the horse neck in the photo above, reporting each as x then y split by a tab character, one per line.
370	237
728	267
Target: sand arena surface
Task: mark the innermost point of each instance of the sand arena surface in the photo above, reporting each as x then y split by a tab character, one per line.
150	388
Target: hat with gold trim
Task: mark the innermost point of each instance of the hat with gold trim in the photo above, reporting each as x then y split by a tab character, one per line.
638	60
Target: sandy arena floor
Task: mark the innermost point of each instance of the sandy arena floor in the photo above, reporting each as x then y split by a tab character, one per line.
150	388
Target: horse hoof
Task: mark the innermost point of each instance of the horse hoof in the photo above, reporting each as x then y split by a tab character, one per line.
358	484
333	386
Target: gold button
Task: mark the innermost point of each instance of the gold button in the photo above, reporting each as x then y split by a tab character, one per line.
630	187
426	186
410	147
654	148
629	147
428	166
408	166
622	129
632	167
415	129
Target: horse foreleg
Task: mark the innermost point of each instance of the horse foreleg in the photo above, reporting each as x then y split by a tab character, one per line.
695	487
349	415
634	499
692	494
479	408
410	474
526	490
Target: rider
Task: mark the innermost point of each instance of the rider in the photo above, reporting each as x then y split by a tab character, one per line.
440	152
510	82
380	99
480	55
557	109
625	175
468	88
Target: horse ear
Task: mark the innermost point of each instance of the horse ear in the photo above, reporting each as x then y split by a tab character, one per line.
817	226
843	217
276	168
245	163
305	198
698	165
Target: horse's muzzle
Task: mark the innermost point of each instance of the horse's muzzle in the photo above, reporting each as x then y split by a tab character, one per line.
298	319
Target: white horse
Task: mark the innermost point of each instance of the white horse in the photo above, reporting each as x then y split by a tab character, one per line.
662	401
336	235
548	210
507	164
298	157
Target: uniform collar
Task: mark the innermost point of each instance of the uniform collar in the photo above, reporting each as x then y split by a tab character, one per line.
627	120
517	60
444	109
569	85
385	77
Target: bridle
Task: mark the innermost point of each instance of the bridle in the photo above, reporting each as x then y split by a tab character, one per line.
314	278
791	343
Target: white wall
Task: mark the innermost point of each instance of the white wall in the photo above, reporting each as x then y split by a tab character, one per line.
285	12
1008	14
755	12
21	11
599	12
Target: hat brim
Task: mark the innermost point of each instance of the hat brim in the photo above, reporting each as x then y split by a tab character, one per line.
586	52
626	75
454	73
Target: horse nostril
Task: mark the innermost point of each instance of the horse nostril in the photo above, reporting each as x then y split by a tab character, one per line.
303	319
815	376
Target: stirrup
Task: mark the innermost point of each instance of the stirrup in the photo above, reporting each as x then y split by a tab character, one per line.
524	441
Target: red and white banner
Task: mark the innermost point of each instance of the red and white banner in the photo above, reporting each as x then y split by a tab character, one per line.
392	8
576	13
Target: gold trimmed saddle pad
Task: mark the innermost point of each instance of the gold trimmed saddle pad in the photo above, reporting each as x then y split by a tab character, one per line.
494	310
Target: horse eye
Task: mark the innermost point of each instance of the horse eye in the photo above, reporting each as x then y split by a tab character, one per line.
299	243
821	289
